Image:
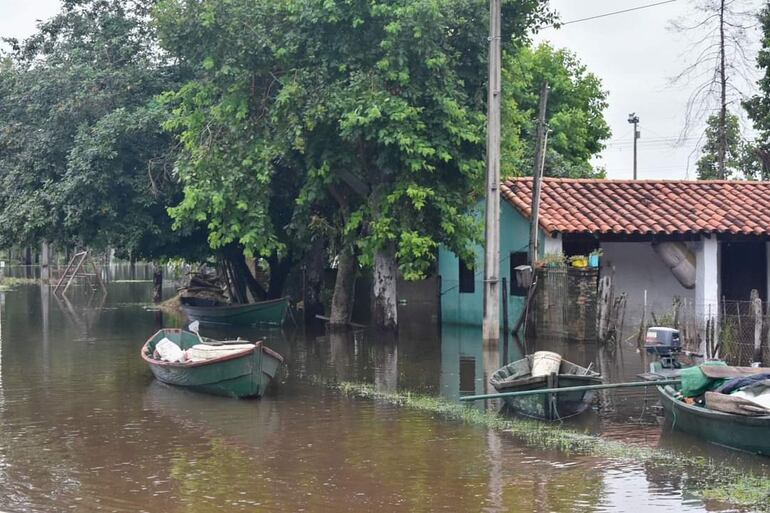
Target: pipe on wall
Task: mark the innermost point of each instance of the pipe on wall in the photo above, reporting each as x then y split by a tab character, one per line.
678	257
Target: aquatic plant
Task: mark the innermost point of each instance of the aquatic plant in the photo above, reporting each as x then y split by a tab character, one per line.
706	478
9	282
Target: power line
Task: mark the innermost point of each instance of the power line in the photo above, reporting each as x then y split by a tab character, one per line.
638	8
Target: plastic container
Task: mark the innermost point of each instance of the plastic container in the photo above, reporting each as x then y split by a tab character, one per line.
593	261
545	363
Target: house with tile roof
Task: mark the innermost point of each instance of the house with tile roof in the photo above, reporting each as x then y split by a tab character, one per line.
701	241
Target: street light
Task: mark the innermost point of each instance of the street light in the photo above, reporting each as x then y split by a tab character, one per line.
634	120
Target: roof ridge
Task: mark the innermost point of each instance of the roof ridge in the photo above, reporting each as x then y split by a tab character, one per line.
573	205
627	180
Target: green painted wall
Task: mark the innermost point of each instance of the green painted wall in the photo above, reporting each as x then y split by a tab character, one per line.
467	308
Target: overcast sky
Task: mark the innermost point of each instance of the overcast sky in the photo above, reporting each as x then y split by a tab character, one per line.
633	53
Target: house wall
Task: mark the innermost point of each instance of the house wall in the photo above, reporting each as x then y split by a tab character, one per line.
638	268
467	308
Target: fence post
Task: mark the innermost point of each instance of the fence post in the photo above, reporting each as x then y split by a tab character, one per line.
756	304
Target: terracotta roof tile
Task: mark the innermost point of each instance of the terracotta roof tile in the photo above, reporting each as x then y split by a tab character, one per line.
645	206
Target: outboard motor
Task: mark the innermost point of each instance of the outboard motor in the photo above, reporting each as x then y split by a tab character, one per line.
666	344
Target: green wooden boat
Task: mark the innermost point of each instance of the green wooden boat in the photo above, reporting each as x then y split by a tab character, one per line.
271	312
742	432
517	376
242	370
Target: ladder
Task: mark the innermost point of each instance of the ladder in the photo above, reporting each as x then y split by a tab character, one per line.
78	268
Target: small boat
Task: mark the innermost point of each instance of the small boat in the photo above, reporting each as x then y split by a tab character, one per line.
234	368
272	312
749	433
517	376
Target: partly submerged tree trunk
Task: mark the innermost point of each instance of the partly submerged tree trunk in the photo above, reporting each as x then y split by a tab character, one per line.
279	273
239	277
312	283
344	288
385	300
157	282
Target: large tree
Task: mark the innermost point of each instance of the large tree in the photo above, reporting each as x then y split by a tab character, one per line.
83	157
575	113
381	103
718	67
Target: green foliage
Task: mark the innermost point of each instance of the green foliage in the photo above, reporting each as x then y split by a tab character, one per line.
575	113
376	109
708	164
83	159
758	106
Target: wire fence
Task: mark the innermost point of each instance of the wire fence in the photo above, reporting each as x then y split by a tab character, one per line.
731	330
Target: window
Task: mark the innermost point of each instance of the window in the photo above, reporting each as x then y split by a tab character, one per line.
517	259
467	279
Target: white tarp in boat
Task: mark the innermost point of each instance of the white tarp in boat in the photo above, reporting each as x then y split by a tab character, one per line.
168	351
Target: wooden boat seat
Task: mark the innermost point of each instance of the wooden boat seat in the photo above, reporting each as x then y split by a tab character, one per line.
201	352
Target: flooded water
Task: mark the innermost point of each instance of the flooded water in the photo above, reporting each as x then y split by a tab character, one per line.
84	427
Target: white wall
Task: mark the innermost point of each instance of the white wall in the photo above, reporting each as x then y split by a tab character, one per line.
707	277
639	268
552	244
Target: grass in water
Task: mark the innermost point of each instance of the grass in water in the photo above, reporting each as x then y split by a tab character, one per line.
8	282
706	478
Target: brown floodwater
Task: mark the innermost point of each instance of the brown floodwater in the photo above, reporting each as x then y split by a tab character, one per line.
84	427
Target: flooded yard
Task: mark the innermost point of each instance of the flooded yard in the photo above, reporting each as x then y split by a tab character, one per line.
84	427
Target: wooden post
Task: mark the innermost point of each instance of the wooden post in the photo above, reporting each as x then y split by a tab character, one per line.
643	326
537	175
491	325
756	304
157	282
505	320
44	263
604	305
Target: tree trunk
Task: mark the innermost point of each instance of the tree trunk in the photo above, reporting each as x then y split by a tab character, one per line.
344	288
312	282
240	276
279	272
385	304
28	262
157	282
722	156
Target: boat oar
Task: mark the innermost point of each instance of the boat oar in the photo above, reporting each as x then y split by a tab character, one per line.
195	327
580	388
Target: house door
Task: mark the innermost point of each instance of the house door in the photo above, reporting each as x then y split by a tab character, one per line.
743	268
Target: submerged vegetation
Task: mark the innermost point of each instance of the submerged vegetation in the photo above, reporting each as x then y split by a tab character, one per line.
7	282
704	477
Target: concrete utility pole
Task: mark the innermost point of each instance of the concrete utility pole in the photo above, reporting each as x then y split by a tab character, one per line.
634	120
537	174
491	324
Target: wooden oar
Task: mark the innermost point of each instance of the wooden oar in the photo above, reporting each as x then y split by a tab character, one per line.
573	389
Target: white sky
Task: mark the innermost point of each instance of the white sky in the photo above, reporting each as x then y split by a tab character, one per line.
633	53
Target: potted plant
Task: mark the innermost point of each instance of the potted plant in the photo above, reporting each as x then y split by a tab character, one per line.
552	260
593	257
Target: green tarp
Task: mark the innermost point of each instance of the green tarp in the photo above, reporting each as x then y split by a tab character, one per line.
695	383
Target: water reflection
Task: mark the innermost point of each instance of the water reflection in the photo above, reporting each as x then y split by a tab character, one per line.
84	426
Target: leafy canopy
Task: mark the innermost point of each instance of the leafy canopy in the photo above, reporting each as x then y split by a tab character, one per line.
378	107
574	114
83	159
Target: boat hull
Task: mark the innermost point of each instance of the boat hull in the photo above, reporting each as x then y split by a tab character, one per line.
272	312
744	433
516	377
243	374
